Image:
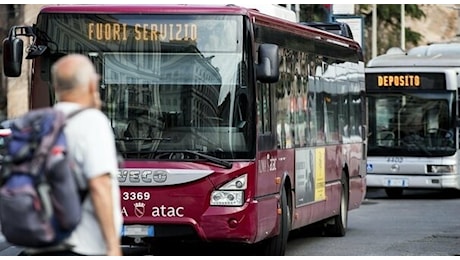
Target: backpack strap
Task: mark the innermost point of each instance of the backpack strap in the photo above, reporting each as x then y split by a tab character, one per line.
76	168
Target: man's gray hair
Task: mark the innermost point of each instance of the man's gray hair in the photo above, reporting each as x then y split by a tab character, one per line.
79	77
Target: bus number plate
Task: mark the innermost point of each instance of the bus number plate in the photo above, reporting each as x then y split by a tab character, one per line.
138	230
397	182
395	159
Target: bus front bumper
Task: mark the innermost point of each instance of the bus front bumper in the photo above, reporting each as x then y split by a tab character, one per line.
413	181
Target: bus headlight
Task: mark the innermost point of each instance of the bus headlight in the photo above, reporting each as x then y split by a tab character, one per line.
227	198
440	169
231	193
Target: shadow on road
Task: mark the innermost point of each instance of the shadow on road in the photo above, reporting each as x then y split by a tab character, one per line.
414	194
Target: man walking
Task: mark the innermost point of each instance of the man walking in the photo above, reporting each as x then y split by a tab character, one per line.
91	143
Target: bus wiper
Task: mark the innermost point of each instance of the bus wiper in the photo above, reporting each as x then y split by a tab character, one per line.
416	141
143	139
227	165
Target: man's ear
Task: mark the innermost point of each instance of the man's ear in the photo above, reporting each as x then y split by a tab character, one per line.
94	92
93	86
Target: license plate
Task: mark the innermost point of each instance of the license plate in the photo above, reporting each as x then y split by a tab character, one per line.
138	231
397	182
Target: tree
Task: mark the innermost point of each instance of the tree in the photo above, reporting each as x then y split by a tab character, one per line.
313	12
389	26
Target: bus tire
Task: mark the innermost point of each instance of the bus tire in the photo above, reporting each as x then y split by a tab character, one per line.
338	226
276	246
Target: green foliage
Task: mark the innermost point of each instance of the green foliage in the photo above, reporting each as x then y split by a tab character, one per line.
388	23
389	26
313	12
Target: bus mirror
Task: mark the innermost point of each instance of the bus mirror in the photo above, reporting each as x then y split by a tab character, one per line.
13	49
268	64
12	56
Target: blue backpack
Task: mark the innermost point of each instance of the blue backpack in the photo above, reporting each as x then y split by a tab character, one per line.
41	188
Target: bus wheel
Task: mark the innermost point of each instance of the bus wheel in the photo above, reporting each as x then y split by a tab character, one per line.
338	226
394	193
276	246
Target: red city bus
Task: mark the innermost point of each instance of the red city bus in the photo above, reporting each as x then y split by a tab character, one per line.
234	125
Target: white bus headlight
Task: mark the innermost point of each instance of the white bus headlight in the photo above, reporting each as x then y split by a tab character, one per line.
227	198
440	169
231	193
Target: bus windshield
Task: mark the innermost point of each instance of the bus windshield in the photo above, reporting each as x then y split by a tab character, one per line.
415	124
168	82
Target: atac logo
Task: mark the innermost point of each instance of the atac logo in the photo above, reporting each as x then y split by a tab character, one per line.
139	209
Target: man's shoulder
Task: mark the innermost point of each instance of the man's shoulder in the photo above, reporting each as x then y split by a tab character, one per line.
87	118
69	108
94	114
93	119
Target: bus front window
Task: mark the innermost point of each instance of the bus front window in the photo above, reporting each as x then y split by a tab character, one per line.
169	82
421	123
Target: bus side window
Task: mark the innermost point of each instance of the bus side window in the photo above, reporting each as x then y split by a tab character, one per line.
264	124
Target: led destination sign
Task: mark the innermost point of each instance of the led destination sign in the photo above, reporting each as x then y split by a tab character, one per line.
142	32
150	33
407	81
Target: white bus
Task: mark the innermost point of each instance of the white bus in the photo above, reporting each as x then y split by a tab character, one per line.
413	119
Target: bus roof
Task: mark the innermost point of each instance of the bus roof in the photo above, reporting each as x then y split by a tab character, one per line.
447	49
433	55
143	9
259	13
269	9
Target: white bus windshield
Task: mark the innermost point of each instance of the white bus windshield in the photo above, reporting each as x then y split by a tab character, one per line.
414	124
